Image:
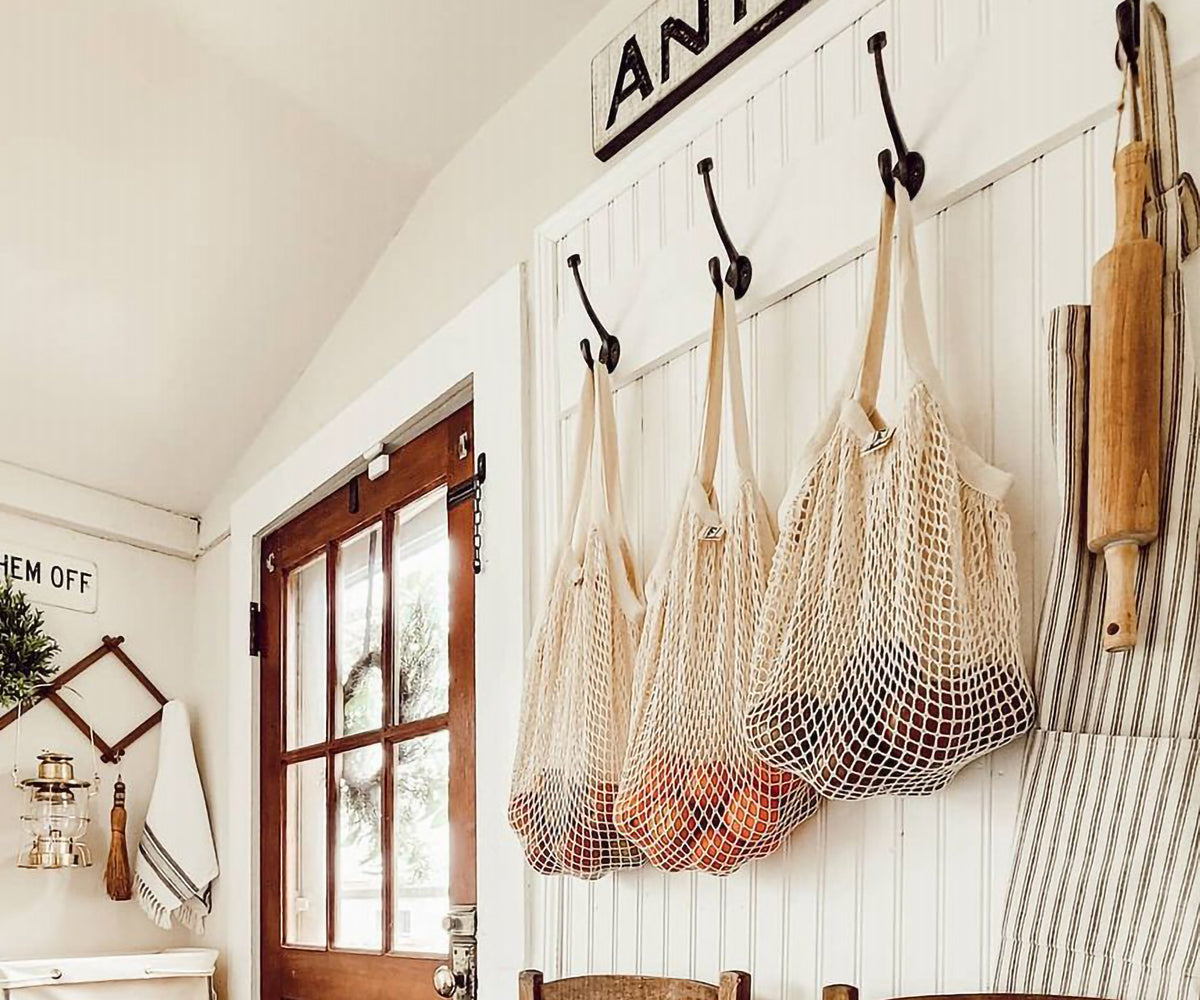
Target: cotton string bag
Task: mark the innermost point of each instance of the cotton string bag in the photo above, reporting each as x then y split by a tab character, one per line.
1104	895
692	794
888	651
579	675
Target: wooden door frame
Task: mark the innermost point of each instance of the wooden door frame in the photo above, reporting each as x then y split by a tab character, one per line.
431	461
477	356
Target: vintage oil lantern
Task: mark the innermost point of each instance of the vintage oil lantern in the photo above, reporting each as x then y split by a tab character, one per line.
55	815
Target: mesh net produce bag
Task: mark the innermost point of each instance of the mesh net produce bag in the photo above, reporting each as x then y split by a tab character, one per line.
888	653
692	794
579	675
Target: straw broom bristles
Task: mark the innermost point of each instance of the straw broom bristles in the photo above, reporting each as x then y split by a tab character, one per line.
117	878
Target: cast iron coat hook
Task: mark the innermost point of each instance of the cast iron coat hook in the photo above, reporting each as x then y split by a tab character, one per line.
1129	32
610	347
910	165
740	270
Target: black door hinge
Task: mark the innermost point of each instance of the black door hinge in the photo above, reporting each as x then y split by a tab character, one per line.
255	629
472	489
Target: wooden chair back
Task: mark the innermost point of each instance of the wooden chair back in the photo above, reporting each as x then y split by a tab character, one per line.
733	986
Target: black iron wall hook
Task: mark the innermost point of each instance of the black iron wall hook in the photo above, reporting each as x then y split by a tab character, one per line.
1129	31
610	347
909	169
740	270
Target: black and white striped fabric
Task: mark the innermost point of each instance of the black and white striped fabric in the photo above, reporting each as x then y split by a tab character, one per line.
176	859
1104	897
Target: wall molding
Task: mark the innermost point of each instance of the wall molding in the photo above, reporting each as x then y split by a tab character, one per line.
42	497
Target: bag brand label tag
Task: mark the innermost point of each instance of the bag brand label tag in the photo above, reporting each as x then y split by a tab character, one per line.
879	440
714	533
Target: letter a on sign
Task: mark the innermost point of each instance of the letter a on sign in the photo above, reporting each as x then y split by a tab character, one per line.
633	65
666	55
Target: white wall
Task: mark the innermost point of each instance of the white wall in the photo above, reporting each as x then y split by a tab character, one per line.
147	597
473	223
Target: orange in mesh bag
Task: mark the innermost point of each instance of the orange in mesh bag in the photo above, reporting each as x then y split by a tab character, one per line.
887	654
578	680
692	794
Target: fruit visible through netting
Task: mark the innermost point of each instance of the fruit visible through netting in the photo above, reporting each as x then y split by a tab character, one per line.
711	816
569	828
891	726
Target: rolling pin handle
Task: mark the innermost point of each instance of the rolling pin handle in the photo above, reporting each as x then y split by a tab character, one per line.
1131	177
1120	603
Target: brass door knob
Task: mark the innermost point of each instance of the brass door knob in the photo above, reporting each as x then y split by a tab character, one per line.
445	982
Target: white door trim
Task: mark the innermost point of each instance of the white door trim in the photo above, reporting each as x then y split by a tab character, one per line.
481	348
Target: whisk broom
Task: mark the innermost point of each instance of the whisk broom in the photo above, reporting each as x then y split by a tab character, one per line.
117	879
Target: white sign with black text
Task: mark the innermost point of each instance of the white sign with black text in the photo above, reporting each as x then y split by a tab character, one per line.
667	54
50	578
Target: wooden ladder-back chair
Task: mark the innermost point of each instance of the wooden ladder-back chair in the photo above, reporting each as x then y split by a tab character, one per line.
840	991
733	986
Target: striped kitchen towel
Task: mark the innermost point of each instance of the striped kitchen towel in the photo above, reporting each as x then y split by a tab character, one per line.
176	860
1104	895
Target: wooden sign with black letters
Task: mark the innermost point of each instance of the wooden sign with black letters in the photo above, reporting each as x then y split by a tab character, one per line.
49	578
666	55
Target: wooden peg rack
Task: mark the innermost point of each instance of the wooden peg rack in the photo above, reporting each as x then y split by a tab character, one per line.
110	754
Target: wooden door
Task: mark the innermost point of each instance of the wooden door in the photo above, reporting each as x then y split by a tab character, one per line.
368	728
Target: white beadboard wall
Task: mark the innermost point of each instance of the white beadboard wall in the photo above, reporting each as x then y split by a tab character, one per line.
898	896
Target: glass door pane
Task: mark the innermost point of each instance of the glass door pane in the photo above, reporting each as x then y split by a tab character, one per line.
360	632
358	858
307	644
421	596
421	844
304	855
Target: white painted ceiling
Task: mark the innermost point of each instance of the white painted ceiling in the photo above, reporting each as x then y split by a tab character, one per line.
191	194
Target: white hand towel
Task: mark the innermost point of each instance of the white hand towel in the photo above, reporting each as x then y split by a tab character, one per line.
176	860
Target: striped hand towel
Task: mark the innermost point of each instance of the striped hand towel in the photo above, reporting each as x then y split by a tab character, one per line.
176	860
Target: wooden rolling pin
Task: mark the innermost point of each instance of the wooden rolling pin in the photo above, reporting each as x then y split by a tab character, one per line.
1125	387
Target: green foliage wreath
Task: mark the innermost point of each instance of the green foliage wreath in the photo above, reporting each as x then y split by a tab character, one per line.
26	651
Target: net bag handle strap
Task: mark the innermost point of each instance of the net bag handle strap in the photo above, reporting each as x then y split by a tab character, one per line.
738	419
868	352
914	329
710	435
606	478
724	358
606	494
570	532
860	384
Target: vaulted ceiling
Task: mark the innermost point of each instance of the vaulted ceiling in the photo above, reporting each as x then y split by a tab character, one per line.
191	194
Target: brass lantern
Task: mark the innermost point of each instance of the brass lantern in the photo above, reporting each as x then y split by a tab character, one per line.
55	816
